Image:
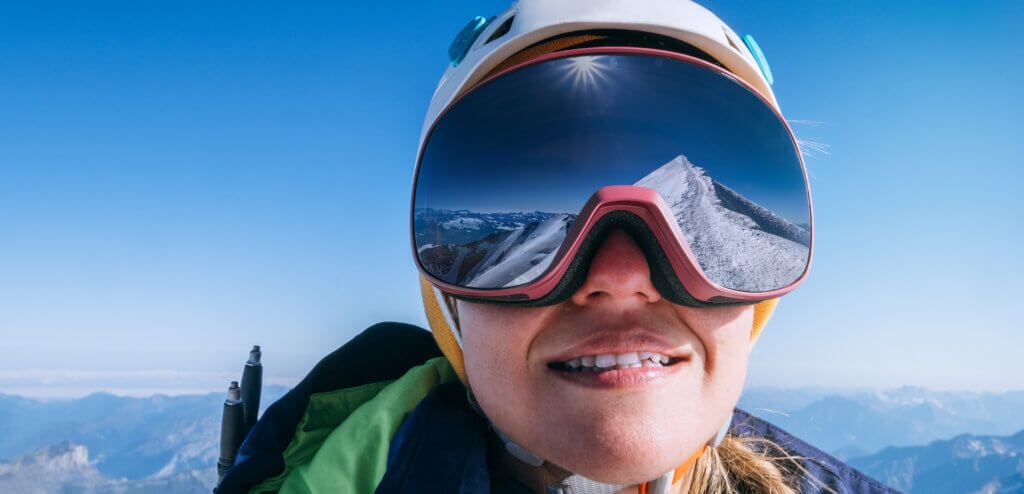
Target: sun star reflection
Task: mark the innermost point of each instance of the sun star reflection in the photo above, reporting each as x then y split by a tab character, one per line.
585	72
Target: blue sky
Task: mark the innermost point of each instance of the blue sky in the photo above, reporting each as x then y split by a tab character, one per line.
180	180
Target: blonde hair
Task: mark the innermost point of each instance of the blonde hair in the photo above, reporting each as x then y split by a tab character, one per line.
744	464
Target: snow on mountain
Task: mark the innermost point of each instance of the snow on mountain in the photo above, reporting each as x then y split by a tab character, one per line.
66	467
517	243
730	235
48	470
465	223
528	251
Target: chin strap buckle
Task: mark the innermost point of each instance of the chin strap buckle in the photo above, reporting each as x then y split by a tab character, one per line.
519	452
578	484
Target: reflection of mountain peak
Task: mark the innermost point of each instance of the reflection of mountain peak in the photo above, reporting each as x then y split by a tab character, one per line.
677	177
681	162
681	178
726	230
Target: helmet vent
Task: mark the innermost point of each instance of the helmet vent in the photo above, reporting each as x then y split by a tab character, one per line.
502	30
732	43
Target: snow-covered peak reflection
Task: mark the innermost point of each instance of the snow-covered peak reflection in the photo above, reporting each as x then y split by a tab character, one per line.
739	243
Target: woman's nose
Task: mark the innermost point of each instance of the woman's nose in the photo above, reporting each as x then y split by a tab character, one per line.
619	272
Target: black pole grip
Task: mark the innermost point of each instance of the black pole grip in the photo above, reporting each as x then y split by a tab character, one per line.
232	432
252	383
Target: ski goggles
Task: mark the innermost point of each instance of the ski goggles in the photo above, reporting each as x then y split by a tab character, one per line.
521	178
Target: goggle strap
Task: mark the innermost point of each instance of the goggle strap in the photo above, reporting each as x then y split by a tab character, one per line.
541	49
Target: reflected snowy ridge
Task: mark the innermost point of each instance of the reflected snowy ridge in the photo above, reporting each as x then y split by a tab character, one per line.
737	242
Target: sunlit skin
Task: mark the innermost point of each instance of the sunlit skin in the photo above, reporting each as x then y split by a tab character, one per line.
622	434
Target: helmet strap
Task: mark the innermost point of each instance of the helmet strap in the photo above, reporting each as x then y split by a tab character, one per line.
661	484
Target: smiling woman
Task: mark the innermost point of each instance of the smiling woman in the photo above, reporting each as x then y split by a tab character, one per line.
606	208
615	419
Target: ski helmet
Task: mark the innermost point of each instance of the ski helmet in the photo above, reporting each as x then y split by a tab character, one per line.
532	28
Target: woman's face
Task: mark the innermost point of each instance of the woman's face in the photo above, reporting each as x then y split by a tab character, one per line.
622	426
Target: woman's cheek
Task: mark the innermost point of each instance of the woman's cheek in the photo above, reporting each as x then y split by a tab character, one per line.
724	333
728	356
496	365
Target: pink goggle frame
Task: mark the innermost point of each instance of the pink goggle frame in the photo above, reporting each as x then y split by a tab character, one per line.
645	203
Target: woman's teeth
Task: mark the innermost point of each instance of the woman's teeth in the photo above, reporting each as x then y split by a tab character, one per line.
609	361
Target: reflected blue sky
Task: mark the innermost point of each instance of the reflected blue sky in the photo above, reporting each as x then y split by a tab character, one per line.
547	136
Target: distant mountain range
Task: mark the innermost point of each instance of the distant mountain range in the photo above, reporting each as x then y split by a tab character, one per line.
66	467
911	438
463	226
133	441
966	463
851	424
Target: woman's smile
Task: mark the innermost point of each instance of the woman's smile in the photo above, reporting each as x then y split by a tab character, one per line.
638	374
615	358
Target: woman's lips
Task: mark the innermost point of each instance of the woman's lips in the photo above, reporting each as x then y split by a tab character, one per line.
613	378
622	340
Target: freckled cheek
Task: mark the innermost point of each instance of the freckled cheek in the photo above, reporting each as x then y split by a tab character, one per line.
726	349
727	367
496	365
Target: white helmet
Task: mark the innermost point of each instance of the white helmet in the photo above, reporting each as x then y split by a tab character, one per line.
485	43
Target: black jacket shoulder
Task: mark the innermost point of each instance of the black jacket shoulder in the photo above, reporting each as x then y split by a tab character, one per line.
828	471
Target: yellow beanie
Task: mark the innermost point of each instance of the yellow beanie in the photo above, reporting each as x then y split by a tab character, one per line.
441	323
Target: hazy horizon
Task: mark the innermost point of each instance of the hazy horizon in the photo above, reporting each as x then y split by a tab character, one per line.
58	384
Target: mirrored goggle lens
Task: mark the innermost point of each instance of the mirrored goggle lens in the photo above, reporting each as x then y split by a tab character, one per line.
505	171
